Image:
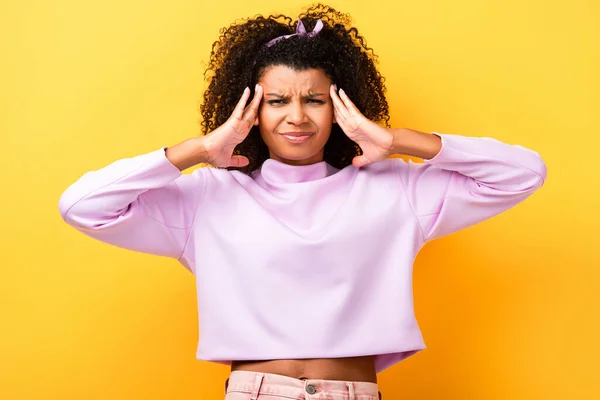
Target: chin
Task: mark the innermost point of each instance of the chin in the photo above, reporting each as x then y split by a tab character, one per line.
297	154
310	150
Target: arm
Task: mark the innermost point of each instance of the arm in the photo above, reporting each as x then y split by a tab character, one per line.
464	180
142	203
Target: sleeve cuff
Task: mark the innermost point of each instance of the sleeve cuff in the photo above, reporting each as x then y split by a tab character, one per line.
442	150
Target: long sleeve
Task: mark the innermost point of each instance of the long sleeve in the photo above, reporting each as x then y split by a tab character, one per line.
468	181
142	203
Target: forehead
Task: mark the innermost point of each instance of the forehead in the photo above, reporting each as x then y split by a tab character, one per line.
285	79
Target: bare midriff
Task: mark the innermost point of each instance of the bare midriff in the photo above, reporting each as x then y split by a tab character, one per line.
358	369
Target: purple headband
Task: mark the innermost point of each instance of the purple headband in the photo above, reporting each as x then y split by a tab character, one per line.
300	31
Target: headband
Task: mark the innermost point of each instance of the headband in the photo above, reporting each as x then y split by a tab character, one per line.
300	31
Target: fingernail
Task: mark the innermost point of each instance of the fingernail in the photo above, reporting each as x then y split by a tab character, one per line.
342	91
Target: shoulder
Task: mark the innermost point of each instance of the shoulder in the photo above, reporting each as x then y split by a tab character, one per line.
389	166
221	176
382	173
393	170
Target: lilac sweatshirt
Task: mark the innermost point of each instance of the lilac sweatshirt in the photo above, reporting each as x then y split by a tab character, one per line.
302	261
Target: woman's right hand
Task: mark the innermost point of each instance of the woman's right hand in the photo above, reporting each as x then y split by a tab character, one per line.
220	143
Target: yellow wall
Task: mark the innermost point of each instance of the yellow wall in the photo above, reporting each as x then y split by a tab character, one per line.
509	308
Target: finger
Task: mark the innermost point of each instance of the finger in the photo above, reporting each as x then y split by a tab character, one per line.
335	99
339	118
341	121
251	111
238	161
258	92
337	102
360	161
339	114
238	111
348	103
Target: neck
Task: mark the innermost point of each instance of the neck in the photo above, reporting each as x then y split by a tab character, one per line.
307	161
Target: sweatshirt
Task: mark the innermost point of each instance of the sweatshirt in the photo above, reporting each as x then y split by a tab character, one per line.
295	262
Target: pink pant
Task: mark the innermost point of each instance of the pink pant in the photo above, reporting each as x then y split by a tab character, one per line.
246	385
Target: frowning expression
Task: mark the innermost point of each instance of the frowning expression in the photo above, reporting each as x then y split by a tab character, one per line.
296	114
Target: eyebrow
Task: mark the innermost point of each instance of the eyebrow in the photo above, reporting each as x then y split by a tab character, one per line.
283	97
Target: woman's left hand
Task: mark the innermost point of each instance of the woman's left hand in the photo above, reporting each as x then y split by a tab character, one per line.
375	141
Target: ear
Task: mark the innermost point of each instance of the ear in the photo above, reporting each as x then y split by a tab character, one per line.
256	122
334	120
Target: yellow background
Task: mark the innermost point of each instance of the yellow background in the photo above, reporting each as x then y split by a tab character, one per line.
508	309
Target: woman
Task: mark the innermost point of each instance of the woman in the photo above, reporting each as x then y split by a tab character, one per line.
303	235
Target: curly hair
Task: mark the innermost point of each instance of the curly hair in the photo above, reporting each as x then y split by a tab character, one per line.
240	56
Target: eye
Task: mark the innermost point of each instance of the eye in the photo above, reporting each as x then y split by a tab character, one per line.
315	101
274	102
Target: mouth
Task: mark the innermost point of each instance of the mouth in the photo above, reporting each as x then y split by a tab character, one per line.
297	137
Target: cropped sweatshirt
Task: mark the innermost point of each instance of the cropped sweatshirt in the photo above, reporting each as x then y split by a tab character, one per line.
296	262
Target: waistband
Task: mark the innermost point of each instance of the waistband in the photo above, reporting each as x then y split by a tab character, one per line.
256	383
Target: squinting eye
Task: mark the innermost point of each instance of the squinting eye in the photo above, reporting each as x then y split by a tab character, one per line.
316	101
275	102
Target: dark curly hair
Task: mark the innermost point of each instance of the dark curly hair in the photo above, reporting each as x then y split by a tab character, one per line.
240	56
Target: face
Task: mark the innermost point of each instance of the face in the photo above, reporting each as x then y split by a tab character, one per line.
296	114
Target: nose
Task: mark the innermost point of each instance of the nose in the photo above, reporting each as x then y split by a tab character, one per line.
296	114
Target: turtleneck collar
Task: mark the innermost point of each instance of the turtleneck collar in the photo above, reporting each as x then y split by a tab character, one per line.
277	172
